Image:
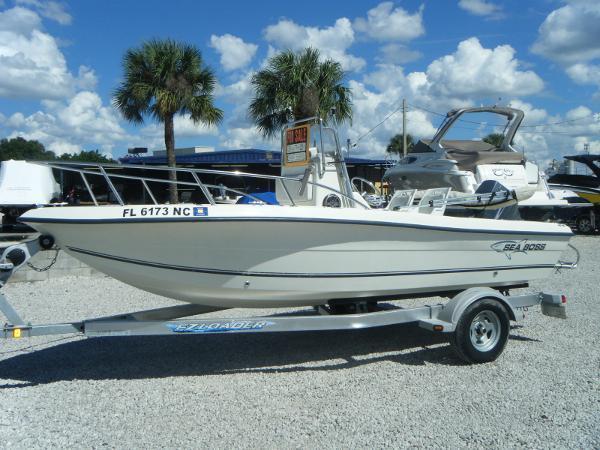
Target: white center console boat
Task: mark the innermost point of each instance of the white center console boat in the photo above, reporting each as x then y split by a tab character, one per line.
322	241
322	244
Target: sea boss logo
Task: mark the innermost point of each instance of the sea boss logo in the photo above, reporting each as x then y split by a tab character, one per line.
522	246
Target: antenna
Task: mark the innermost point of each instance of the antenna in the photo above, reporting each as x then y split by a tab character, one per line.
404	126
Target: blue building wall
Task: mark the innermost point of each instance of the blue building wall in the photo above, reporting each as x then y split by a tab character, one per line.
245	156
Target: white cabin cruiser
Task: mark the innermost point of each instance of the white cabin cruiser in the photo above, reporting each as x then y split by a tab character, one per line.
321	243
464	165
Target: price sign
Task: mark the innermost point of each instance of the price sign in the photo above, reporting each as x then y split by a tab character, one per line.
296	146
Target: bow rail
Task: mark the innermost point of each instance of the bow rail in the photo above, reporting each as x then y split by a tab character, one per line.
100	169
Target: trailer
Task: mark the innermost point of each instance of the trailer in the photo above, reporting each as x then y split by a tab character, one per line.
476	320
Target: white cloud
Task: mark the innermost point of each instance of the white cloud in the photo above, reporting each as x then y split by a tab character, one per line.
49	9
86	78
32	64
570	34
481	8
239	131
184	127
386	23
60	147
248	137
16	120
533	115
476	72
468	76
397	54
544	137
19	21
70	126
585	73
333	42
237	92
235	53
377	96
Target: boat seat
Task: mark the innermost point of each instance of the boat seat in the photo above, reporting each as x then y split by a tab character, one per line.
436	195
402	200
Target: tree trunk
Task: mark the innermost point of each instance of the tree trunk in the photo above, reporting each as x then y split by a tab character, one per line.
170	146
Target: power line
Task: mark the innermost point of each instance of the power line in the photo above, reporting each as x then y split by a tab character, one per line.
484	124
590	116
380	123
427	110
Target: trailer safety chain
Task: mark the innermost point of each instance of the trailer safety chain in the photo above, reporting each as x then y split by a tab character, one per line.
43	269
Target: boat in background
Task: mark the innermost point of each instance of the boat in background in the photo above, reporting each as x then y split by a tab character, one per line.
321	243
581	189
586	186
464	165
24	186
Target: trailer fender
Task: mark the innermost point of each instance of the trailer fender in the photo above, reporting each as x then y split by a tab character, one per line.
454	309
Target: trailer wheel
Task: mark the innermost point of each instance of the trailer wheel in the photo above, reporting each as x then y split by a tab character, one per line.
481	332
584	224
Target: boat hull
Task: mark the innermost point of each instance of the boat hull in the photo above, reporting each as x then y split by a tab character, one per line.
273	256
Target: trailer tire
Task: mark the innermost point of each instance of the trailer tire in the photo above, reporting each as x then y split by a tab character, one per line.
481	332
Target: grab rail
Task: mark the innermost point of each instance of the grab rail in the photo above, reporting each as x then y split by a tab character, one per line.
83	169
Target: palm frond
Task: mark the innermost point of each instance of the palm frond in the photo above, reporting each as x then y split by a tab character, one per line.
163	78
302	82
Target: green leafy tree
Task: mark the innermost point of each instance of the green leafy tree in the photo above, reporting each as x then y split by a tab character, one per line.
93	156
494	138
163	78
396	144
23	149
294	86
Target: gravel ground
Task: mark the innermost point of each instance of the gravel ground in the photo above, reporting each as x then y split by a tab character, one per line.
393	387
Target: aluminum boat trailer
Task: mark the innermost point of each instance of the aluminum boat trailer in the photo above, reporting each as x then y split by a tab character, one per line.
477	319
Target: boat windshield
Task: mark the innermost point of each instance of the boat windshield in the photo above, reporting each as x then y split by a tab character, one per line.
324	139
478	131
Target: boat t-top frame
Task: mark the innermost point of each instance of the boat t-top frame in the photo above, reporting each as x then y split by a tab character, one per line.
514	118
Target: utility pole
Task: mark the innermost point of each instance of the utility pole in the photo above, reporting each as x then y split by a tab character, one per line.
404	125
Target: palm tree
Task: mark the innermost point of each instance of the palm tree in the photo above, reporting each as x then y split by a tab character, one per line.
164	78
494	138
396	144
294	86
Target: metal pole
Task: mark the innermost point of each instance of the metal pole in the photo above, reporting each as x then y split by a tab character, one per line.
404	126
203	188
147	189
111	185
87	185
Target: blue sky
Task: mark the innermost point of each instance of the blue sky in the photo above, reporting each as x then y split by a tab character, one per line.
60	61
